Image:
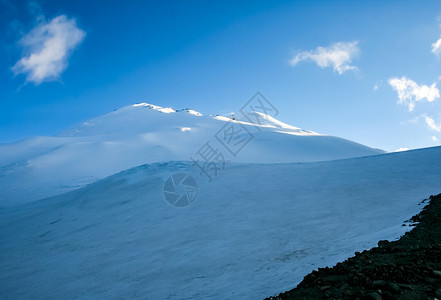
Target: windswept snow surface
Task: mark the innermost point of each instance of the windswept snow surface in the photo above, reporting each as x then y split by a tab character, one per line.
254	231
144	133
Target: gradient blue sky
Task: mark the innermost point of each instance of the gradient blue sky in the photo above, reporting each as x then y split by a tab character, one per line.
212	56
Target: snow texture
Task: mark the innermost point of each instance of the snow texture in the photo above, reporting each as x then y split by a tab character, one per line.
254	231
144	133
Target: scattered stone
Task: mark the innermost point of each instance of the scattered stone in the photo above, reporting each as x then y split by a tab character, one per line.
383	243
405	287
379	283
375	296
325	287
393	287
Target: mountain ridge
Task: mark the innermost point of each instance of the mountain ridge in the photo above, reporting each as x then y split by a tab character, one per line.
145	133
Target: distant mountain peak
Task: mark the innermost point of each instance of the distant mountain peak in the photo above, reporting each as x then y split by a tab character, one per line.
166	110
262	120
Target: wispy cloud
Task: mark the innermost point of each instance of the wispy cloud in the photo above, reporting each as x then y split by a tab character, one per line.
378	84
415	120
430	122
436	47
47	48
409	92
338	56
35	9
434	138
401	149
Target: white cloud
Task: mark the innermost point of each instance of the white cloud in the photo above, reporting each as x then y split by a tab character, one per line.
337	55
436	47
402	149
432	124
434	138
48	47
409	92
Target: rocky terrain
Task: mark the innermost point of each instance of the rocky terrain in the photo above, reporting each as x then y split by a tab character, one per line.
409	268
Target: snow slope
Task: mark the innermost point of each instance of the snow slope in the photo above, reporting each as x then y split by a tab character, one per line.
254	231
143	133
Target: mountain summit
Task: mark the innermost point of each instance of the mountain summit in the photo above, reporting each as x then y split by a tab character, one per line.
145	133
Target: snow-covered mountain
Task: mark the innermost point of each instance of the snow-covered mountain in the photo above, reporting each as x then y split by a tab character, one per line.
143	133
254	231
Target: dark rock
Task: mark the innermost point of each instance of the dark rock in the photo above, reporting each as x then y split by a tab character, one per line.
375	296
379	283
436	273
325	287
383	243
393	287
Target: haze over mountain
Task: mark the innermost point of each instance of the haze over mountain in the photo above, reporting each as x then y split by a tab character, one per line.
143	133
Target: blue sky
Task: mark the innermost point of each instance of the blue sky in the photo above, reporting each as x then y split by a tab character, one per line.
367	71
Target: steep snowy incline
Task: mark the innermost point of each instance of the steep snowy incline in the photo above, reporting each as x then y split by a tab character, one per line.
144	133
252	231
